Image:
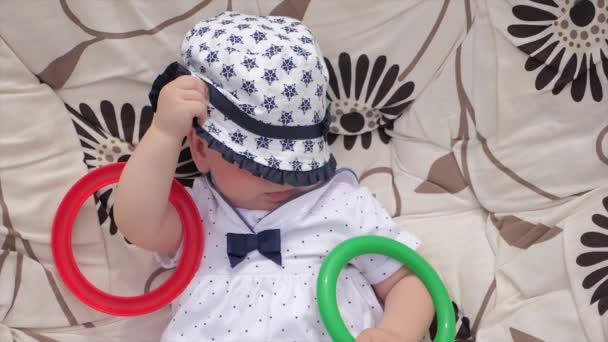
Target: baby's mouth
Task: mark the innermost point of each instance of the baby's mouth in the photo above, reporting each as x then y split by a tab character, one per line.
280	196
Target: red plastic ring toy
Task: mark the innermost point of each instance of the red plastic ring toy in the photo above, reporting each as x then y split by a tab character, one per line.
111	304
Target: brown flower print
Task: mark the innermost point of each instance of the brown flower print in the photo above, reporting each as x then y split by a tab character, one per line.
567	42
365	98
598	242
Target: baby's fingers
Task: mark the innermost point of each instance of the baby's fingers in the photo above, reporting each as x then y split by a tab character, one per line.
377	335
197	109
192	83
365	336
192	95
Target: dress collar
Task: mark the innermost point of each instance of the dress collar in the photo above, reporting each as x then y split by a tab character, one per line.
295	207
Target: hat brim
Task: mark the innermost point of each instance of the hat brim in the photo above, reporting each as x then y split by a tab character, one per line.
293	178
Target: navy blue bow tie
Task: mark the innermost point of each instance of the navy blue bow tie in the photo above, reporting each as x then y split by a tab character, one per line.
267	242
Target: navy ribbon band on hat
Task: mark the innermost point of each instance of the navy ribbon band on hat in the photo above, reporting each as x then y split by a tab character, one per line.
278	176
267	242
234	113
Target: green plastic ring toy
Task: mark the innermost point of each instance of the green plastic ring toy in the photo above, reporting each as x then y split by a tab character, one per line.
349	249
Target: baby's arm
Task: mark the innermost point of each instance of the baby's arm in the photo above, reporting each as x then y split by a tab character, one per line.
408	309
142	211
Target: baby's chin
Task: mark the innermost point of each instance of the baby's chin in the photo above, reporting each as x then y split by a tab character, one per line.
254	204
268	207
270	200
261	202
264	204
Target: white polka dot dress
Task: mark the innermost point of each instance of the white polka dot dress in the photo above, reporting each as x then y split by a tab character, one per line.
259	300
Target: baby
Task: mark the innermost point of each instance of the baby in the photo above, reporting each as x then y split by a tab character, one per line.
272	202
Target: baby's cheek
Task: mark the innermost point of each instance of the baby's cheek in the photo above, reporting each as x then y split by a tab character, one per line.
243	185
240	189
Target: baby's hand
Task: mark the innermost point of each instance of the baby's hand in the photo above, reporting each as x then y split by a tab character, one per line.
180	101
379	335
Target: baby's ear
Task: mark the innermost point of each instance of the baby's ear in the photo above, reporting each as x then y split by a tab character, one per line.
200	151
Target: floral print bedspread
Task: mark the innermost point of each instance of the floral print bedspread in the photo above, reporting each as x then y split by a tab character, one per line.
480	124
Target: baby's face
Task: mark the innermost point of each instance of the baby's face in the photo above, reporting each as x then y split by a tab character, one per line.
245	190
242	189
